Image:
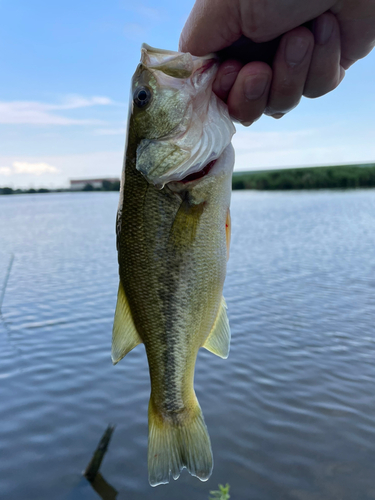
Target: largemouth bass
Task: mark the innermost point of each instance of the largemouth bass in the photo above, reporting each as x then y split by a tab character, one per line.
173	231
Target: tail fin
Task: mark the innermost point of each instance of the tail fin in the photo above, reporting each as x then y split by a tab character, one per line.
173	445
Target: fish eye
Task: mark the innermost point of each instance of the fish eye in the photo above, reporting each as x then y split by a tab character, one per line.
142	96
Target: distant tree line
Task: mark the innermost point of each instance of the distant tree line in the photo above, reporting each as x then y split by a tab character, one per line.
342	176
8	190
107	186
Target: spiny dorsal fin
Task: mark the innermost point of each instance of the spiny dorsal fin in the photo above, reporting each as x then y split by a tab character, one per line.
124	335
219	338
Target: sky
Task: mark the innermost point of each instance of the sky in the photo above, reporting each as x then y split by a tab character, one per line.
65	70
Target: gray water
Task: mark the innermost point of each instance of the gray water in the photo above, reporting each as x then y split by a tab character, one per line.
291	412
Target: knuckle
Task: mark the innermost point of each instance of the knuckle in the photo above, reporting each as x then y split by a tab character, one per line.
288	88
246	118
321	85
281	107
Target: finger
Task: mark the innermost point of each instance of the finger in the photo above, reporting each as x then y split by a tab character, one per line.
266	20
357	29
290	68
248	96
225	78
325	72
215	24
211	26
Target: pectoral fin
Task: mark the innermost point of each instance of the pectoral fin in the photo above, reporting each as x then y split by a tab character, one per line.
219	338
185	225
124	335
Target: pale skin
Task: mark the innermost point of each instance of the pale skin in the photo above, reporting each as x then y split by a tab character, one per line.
308	62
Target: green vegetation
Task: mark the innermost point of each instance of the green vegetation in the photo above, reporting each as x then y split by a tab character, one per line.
8	190
111	186
107	186
221	494
341	176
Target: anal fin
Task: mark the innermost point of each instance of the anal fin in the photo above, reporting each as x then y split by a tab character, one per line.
124	334
218	340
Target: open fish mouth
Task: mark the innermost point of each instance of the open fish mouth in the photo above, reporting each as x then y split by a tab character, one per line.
204	129
200	174
222	165
176	64
191	155
209	169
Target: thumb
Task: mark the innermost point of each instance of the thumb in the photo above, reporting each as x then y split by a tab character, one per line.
357	27
211	26
215	24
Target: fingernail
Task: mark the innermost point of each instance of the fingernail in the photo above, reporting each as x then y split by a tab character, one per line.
227	80
247	124
295	50
270	112
323	29
255	85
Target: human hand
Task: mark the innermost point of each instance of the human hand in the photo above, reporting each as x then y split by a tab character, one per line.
304	62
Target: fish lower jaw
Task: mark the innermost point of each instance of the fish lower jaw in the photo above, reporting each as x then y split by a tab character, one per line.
194	177
201	173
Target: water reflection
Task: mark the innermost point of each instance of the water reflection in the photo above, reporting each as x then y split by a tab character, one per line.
93	477
104	489
90	491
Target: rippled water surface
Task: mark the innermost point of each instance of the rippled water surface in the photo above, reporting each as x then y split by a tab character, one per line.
291	412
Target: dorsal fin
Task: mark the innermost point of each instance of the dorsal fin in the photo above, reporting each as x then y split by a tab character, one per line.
124	335
219	338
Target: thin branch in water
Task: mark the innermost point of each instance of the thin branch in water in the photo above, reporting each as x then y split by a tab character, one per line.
3	290
6	281
93	467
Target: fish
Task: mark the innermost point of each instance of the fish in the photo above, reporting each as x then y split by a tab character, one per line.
173	235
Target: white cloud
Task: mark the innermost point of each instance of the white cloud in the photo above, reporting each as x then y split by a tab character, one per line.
134	31
255	150
76	101
5	171
23	167
110	131
85	165
38	113
266	150
246	140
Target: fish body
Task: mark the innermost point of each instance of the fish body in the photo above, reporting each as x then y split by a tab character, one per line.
173	230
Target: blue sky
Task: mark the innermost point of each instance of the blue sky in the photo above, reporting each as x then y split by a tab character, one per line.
65	70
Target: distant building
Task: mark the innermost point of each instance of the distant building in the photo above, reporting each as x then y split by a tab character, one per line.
79	184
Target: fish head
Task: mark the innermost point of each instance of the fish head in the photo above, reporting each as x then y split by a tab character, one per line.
177	122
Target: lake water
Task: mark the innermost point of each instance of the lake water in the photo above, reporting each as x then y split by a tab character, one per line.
291	412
